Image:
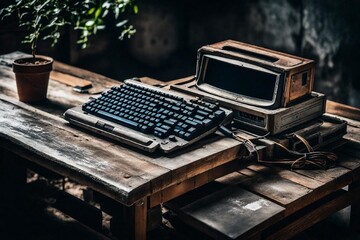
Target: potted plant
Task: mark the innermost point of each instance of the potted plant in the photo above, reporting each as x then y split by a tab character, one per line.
45	20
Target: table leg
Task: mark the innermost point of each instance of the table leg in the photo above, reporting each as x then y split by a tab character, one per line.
140	219
355	209
129	222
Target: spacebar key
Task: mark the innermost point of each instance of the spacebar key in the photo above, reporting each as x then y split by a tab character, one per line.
120	120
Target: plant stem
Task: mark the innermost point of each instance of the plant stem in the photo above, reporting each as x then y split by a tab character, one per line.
33	47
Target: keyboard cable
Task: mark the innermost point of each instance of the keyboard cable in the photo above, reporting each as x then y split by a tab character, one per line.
283	156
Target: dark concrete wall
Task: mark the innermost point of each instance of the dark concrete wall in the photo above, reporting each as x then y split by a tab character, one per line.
170	32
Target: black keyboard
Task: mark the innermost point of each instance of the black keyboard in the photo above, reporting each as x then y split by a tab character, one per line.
154	112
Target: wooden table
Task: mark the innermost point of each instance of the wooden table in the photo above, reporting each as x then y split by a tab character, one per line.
37	134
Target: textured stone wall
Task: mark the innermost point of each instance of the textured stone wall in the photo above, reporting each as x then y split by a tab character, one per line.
326	31
331	37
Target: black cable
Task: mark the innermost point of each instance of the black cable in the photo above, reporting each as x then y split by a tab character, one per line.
296	160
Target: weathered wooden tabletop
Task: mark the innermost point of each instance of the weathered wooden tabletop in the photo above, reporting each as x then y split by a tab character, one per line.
39	133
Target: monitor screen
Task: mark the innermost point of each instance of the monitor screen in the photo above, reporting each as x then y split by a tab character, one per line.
240	78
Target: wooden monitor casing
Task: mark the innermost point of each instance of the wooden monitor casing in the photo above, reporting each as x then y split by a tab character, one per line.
296	73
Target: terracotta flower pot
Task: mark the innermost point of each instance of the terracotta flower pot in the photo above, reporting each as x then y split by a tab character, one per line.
32	77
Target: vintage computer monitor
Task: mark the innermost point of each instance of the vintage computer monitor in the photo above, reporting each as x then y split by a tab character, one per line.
253	75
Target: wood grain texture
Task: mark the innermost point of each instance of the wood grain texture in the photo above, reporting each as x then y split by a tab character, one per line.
192	183
69	79
342	110
110	168
353	129
59	98
337	201
320	182
74	152
348	157
140	219
85	74
291	189
281	191
231	213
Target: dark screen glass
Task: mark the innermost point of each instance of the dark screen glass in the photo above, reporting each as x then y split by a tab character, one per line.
240	80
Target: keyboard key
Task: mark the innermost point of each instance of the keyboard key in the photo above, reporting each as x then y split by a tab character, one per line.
199	117
118	119
160	132
192	123
207	122
219	114
169	122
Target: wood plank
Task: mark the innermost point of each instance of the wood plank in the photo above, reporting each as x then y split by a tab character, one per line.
342	110
192	183
286	174
289	189
350	161
85	74
69	79
353	131
339	173
151	81
353	128
183	80
336	180
286	193
231	213
194	160
233	178
339	200
185	199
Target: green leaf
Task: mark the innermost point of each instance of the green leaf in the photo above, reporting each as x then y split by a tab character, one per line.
98	12
135	9
91	11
